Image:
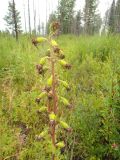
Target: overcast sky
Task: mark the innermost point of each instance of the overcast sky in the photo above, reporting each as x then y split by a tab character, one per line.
41	9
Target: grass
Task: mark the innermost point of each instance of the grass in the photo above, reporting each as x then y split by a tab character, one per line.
95	83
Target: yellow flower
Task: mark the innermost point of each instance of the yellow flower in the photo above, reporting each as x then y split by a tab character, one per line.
41	39
60	144
54	43
49	81
43	60
52	116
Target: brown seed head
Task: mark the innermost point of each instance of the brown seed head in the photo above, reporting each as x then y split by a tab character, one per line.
37	100
68	66
34	42
55	26
56	50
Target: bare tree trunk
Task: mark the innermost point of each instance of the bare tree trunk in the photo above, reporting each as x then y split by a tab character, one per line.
25	18
52	6
34	13
15	21
46	18
29	17
43	28
39	23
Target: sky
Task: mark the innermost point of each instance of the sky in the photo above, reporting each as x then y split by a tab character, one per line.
41	9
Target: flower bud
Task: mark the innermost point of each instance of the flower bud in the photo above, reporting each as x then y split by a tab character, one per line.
50	95
65	126
65	102
43	60
41	135
39	68
52	116
54	43
68	66
47	89
61	56
34	42
60	144
65	84
41	39
56	50
65	64
49	81
38	99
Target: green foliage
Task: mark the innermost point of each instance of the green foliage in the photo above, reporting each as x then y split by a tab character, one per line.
8	140
95	82
12	17
65	15
112	18
92	19
117	17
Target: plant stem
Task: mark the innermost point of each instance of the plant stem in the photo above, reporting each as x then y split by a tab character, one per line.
54	99
54	102
54	88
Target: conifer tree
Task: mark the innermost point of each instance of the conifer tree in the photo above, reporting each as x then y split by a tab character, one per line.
13	19
90	16
97	23
117	17
65	15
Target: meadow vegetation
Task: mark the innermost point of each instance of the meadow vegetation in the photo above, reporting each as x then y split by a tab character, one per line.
94	94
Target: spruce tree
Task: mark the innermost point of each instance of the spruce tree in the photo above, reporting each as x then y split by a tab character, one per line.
117	17
90	16
13	19
65	15
29	17
97	23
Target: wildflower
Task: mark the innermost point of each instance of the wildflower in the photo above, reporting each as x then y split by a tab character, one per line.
65	64
60	144
65	102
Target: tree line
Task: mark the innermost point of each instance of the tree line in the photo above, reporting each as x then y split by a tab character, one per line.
88	21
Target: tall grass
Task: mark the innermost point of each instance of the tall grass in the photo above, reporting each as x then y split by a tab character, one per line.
95	76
